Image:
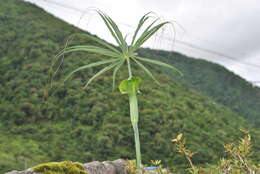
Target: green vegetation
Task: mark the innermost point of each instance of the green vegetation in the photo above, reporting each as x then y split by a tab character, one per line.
65	167
40	124
215	81
238	160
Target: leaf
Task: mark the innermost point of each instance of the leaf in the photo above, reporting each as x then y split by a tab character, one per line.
107	68
109	28
147	28
90	66
178	138
115	72
141	22
130	85
147	34
101	42
93	49
146	70
156	62
118	33
114	30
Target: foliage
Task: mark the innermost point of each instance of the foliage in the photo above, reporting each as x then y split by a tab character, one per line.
213	80
65	167
238	161
39	124
18	152
131	166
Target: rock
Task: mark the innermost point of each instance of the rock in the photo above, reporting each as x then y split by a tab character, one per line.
95	167
27	171
106	167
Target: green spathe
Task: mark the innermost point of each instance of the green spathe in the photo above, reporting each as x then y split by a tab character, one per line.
130	85
65	167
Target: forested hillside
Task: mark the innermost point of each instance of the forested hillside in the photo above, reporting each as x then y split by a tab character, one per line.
40	123
213	80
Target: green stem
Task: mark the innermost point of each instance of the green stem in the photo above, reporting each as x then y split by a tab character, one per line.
129	68
134	119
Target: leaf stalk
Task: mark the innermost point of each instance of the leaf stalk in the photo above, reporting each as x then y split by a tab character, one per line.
134	120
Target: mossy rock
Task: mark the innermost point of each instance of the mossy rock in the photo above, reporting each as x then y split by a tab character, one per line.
65	167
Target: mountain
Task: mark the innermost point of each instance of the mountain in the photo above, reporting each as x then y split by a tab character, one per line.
215	81
39	123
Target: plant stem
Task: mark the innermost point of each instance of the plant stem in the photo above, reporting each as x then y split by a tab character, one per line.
134	119
129	68
191	164
134	115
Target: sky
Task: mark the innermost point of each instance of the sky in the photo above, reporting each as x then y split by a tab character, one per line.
220	31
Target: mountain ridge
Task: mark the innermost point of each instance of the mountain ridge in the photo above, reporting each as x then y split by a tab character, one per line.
215	81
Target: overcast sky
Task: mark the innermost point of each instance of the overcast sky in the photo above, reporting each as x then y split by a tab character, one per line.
231	28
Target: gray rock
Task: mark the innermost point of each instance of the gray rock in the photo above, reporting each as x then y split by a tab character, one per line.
106	167
27	171
95	167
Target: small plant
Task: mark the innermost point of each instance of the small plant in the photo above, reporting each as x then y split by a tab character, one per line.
238	162
125	54
156	168
131	166
159	167
181	148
